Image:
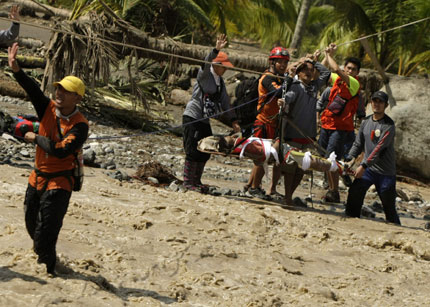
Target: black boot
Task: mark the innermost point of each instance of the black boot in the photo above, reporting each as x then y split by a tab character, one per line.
388	199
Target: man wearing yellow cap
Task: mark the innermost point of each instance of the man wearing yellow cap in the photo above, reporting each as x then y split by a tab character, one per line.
62	132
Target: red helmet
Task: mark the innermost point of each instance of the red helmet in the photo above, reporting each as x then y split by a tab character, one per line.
279	53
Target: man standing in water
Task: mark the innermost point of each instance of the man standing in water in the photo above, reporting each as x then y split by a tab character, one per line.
376	138
62	132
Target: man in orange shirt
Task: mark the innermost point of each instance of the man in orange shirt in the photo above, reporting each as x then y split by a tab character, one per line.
62	132
337	119
266	124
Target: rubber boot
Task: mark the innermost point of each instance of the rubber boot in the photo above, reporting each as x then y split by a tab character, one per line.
190	168
388	199
200	166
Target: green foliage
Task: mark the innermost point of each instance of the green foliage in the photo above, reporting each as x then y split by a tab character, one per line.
272	22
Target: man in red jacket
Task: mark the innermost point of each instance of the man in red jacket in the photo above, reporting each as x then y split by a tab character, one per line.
337	119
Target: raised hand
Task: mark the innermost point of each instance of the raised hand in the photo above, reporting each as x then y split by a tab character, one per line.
12	52
14	13
316	55
221	41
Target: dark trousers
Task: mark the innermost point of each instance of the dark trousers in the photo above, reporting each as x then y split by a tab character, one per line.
43	219
193	133
386	188
332	140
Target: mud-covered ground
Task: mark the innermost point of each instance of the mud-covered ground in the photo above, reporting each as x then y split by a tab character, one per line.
131	244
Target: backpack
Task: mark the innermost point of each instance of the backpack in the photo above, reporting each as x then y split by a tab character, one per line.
19	125
246	93
24	124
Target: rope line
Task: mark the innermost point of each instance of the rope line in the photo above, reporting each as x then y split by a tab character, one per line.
189	58
134	46
385	31
179	126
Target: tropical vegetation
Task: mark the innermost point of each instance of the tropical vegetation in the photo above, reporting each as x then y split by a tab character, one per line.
273	22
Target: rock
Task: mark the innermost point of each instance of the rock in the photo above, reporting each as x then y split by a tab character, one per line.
367	212
24	153
153	180
402	194
427	226
376	206
179	97
426	217
89	156
174	186
415	196
225	192
412	136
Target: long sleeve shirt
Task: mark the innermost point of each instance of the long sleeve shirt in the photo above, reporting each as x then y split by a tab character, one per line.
302	100
53	152
9	34
206	84
376	138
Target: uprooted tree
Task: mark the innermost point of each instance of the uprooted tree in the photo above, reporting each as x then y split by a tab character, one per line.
84	48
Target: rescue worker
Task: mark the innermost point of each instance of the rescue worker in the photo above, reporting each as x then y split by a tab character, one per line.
376	138
299	109
209	98
337	118
266	123
62	132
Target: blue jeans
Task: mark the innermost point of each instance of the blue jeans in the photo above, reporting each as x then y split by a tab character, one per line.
386	188
332	140
349	140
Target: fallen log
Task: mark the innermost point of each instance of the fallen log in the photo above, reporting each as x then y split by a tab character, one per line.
11	88
26	61
43	8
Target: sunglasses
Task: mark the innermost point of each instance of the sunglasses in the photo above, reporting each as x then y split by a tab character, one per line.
281	52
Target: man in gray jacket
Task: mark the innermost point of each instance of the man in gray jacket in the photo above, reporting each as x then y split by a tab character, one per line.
301	129
376	138
208	100
10	34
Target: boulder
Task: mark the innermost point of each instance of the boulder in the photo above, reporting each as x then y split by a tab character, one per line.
180	97
409	108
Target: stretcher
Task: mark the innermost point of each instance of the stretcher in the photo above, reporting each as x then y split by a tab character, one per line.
265	151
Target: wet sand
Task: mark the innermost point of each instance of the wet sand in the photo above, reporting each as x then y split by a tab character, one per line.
128	244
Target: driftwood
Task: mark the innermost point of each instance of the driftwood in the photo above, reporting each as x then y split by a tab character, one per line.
11	88
26	61
43	8
30	42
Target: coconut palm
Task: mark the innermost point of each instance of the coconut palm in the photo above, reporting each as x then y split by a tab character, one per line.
346	20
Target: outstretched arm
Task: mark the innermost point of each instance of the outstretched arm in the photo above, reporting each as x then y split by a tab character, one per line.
329	52
38	99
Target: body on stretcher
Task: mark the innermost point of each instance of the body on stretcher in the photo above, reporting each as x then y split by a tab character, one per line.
266	151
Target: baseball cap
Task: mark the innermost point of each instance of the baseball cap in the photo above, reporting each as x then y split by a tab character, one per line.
72	84
380	95
222	58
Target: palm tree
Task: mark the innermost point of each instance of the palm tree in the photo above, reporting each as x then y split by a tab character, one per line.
301	23
399	49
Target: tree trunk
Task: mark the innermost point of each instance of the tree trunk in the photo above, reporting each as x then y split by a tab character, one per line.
43	8
300	25
241	59
26	61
